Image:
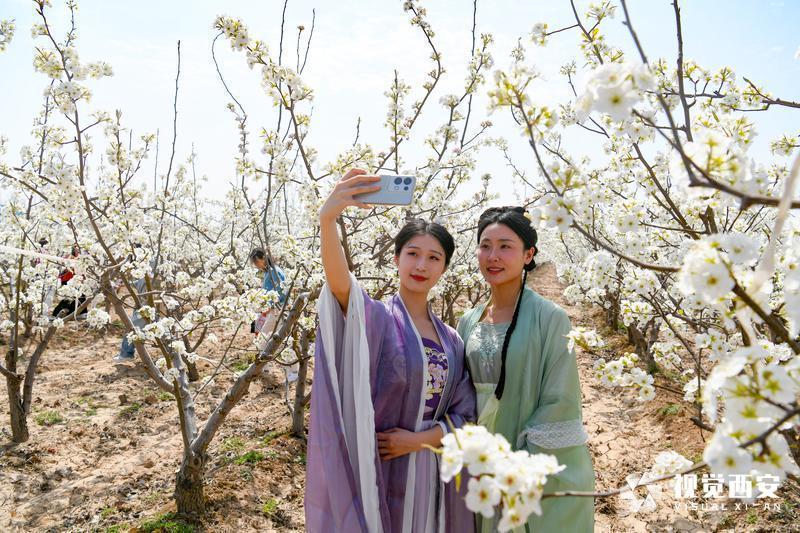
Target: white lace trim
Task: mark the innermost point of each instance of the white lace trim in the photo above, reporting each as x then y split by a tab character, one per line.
553	435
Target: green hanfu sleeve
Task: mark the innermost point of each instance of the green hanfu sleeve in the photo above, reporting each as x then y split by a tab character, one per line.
556	428
557	421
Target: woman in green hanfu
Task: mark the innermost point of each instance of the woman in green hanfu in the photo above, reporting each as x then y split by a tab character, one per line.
524	373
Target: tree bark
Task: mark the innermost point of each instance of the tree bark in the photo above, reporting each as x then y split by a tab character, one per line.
19	419
189	494
792	436
191	371
298	413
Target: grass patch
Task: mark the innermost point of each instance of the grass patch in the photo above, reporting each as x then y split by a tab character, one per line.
251	457
786	513
89	405
271	436
105	512
751	518
164	396
48	418
117	528
166	523
151	498
300	459
240	366
130	410
271	509
670	409
726	522
233	444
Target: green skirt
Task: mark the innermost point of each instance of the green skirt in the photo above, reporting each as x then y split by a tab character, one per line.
568	513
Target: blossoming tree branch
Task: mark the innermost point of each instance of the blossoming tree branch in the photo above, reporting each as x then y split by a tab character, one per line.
679	232
176	258
675	227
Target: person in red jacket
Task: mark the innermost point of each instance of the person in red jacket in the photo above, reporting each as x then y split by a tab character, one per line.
64	276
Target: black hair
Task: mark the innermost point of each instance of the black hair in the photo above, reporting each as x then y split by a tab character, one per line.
419	226
514	219
259	253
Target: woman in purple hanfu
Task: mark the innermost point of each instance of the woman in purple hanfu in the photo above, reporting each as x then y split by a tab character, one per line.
386	376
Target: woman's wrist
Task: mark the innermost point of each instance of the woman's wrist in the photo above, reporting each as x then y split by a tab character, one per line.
431	437
326	216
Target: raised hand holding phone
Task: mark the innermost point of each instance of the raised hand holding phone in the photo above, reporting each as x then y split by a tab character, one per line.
394	190
355	182
334	263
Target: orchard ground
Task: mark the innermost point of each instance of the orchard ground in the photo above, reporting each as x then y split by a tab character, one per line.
105	442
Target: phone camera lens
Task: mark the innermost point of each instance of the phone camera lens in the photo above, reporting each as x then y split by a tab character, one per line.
406	188
407	181
398	181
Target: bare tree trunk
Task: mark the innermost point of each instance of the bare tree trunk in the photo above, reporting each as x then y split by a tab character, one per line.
189	495
792	436
16	406
640	345
300	400
19	419
298	418
612	313
191	371
643	340
28	323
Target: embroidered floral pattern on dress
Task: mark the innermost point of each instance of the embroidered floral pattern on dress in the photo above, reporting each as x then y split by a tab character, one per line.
437	376
490	339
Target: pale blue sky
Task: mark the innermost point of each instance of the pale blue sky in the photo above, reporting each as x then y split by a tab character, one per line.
356	46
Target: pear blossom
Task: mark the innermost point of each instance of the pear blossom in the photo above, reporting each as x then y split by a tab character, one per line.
7	29
669	462
97	318
705	273
725	457
511	479
483	495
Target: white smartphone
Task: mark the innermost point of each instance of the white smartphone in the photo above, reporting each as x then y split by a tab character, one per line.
395	190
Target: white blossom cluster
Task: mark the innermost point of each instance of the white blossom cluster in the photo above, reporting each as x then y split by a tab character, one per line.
587	339
653	233
623	372
669	462
7	29
614	89
499	477
676	231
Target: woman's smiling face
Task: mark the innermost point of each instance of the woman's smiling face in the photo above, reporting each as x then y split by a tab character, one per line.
502	254
421	263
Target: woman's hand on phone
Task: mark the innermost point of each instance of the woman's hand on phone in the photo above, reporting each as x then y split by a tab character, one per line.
356	181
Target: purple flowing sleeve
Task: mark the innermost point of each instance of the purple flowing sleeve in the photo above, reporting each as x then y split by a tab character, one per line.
332	501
